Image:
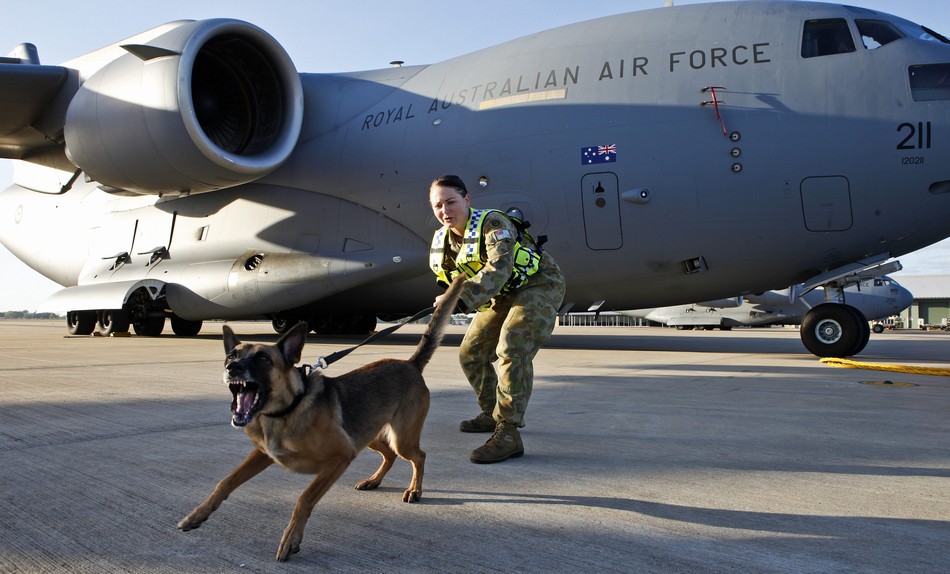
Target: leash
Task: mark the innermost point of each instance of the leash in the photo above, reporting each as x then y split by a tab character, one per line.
324	362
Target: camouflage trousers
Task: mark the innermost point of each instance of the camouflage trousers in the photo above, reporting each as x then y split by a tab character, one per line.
511	331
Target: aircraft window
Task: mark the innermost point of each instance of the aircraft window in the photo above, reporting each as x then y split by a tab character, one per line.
929	82
877	33
921	32
826	37
933	36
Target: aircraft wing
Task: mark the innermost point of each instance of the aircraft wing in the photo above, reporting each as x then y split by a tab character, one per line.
27	95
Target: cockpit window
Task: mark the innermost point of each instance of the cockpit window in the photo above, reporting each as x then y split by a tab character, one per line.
877	33
929	82
933	36
921	32
826	37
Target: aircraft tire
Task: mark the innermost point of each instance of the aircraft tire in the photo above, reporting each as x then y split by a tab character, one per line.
364	324
111	321
864	327
184	327
322	323
833	330
149	326
282	324
80	322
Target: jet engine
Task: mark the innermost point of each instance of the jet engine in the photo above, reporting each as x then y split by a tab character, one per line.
206	105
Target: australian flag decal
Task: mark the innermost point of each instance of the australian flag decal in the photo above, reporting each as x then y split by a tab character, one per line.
599	154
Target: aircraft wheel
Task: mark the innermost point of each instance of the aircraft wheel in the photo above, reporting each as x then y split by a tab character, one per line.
833	330
282	324
864	327
322	323
148	320
80	322
184	327
364	324
111	321
149	326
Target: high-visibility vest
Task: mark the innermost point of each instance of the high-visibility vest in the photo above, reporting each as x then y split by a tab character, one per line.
469	259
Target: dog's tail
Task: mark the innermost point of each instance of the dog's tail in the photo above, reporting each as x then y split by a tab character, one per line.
440	318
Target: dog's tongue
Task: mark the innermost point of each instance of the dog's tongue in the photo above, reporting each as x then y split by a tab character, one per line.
244	403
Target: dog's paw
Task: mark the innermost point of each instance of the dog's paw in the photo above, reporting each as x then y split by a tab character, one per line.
367	484
285	549
412	495
188	523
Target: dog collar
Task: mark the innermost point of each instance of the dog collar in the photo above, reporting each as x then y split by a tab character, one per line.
304	371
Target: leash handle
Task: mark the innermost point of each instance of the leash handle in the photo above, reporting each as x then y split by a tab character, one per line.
324	362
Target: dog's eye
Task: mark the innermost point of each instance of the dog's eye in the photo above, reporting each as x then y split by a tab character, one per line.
263	358
231	357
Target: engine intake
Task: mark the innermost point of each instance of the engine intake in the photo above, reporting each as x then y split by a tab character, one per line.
207	105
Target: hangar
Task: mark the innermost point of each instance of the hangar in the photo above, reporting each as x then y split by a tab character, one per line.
931	306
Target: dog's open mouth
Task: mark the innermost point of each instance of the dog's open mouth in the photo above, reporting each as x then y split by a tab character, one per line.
249	397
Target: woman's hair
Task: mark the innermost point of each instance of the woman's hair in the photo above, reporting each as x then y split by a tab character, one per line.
452	181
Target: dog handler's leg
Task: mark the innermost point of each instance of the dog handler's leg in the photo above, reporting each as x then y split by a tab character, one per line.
293	534
255	462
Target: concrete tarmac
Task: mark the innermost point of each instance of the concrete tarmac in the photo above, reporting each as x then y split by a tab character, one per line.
647	450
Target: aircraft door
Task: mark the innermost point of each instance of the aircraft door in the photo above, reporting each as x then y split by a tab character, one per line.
826	203
600	202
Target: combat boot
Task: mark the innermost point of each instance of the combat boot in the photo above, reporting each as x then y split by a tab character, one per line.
484	422
504	444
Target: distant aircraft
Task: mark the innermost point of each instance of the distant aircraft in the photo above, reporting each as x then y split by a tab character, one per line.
874	297
672	155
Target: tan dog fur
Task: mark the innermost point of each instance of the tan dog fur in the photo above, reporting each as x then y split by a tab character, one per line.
381	405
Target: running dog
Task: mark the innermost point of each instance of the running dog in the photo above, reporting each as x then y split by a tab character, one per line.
315	424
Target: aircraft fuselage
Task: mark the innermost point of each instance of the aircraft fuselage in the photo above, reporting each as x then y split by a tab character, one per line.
669	156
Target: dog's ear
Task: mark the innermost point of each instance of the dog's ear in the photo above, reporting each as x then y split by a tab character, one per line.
291	344
230	340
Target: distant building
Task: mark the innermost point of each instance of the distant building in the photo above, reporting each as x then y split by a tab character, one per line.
931	304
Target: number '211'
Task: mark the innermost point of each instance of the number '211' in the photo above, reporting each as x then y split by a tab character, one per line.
919	132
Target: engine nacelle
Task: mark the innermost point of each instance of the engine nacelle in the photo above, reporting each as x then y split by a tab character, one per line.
207	105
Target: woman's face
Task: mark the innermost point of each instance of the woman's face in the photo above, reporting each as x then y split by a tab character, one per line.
450	207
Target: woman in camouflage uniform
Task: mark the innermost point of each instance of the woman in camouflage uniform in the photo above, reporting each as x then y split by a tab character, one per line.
516	290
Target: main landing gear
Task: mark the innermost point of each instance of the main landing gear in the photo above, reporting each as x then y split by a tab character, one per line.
140	314
835	330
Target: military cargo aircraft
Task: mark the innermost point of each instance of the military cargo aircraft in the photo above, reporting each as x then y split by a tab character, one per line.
874	297
670	155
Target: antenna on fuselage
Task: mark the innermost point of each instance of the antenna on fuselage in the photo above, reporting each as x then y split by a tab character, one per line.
669	2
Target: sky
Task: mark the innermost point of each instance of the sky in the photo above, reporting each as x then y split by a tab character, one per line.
325	36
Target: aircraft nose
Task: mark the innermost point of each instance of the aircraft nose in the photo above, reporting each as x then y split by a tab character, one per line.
904	297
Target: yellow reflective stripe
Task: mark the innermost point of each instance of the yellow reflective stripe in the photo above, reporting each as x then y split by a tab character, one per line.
469	259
